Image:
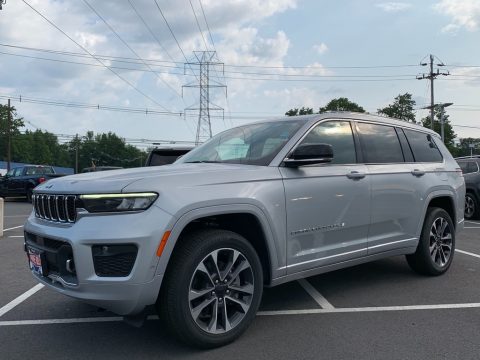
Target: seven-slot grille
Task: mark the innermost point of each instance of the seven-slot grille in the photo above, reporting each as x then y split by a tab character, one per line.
59	208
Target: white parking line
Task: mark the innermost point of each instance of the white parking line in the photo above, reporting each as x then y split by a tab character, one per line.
13	228
20	299
369	309
467	253
473	222
16	236
319	299
260	313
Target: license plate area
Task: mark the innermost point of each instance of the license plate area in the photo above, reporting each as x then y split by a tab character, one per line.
37	261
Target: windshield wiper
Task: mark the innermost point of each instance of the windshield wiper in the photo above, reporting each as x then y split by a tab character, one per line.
202	162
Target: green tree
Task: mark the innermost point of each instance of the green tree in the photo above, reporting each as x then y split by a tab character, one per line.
15	126
341	104
464	149
449	133
301	111
402	108
104	150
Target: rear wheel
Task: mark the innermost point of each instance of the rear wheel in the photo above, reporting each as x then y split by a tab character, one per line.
471	208
436	246
212	288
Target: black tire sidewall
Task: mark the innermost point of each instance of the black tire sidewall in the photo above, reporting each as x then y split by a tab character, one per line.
475	205
430	265
210	240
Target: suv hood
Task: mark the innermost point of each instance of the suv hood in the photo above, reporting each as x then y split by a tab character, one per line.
116	180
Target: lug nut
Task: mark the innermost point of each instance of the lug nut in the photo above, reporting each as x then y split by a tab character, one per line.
216	281
213	293
228	291
220	299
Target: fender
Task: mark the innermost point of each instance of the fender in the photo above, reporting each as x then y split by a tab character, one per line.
177	224
432	195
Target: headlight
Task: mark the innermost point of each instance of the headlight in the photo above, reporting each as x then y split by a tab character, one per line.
117	202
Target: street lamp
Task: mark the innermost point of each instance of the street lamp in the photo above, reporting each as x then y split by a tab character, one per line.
442	107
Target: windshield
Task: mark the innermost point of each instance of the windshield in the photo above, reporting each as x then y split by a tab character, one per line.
255	144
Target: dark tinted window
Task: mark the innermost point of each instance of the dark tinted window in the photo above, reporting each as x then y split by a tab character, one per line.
380	144
464	166
423	146
339	135
407	152
472	167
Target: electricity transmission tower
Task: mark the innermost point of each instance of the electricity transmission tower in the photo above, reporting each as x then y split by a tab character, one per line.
432	75
205	61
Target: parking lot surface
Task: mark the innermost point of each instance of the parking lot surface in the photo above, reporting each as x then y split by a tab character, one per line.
380	310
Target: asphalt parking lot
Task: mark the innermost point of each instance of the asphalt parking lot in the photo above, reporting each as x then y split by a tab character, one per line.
380	310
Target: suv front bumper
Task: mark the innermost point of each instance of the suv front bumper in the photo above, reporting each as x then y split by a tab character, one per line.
124	295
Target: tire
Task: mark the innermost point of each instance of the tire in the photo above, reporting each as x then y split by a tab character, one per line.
436	247
471	206
191	272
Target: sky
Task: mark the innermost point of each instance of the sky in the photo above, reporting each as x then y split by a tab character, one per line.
276	55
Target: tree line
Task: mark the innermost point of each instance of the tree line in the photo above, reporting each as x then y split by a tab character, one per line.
403	108
43	148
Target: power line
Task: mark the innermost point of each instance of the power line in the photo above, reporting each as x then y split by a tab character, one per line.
198	25
69	104
150	30
128	46
93	56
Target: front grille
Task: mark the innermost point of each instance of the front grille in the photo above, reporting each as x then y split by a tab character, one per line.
114	260
59	208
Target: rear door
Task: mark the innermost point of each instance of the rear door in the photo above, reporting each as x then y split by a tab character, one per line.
395	195
328	205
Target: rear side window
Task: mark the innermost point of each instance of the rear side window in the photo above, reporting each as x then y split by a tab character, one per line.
423	146
468	167
380	144
339	135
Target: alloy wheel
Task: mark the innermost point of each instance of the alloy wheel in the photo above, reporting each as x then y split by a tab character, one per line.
469	207
440	241
221	291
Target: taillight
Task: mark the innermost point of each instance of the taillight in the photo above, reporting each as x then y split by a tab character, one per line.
41	180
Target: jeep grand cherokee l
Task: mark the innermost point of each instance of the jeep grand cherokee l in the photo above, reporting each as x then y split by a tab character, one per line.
257	205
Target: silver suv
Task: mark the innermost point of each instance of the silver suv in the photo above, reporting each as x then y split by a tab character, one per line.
257	205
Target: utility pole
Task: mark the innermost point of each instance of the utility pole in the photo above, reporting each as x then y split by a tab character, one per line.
204	60
9	136
76	153
432	75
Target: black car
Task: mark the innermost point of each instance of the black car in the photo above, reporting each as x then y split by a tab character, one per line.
166	155
470	166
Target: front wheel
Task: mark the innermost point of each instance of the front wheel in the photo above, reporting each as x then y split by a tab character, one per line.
436	246
212	289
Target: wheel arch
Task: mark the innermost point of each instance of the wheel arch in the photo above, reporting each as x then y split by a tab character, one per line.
246	220
441	199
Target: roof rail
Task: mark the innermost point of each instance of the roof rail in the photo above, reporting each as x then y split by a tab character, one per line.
468	157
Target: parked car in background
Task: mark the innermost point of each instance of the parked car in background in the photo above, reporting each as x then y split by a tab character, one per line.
470	166
21	181
166	155
257	205
100	168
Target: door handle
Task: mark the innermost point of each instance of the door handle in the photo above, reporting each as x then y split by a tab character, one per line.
418	173
355	175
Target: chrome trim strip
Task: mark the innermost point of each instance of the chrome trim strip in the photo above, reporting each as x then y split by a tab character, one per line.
327	257
391	243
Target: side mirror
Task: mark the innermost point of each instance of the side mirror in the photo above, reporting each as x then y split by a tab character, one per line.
308	154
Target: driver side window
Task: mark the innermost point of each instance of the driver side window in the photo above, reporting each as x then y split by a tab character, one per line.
339	135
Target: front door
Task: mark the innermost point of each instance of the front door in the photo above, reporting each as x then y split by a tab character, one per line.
328	205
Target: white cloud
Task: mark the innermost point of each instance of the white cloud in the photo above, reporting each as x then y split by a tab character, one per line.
393	7
320	48
464	14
